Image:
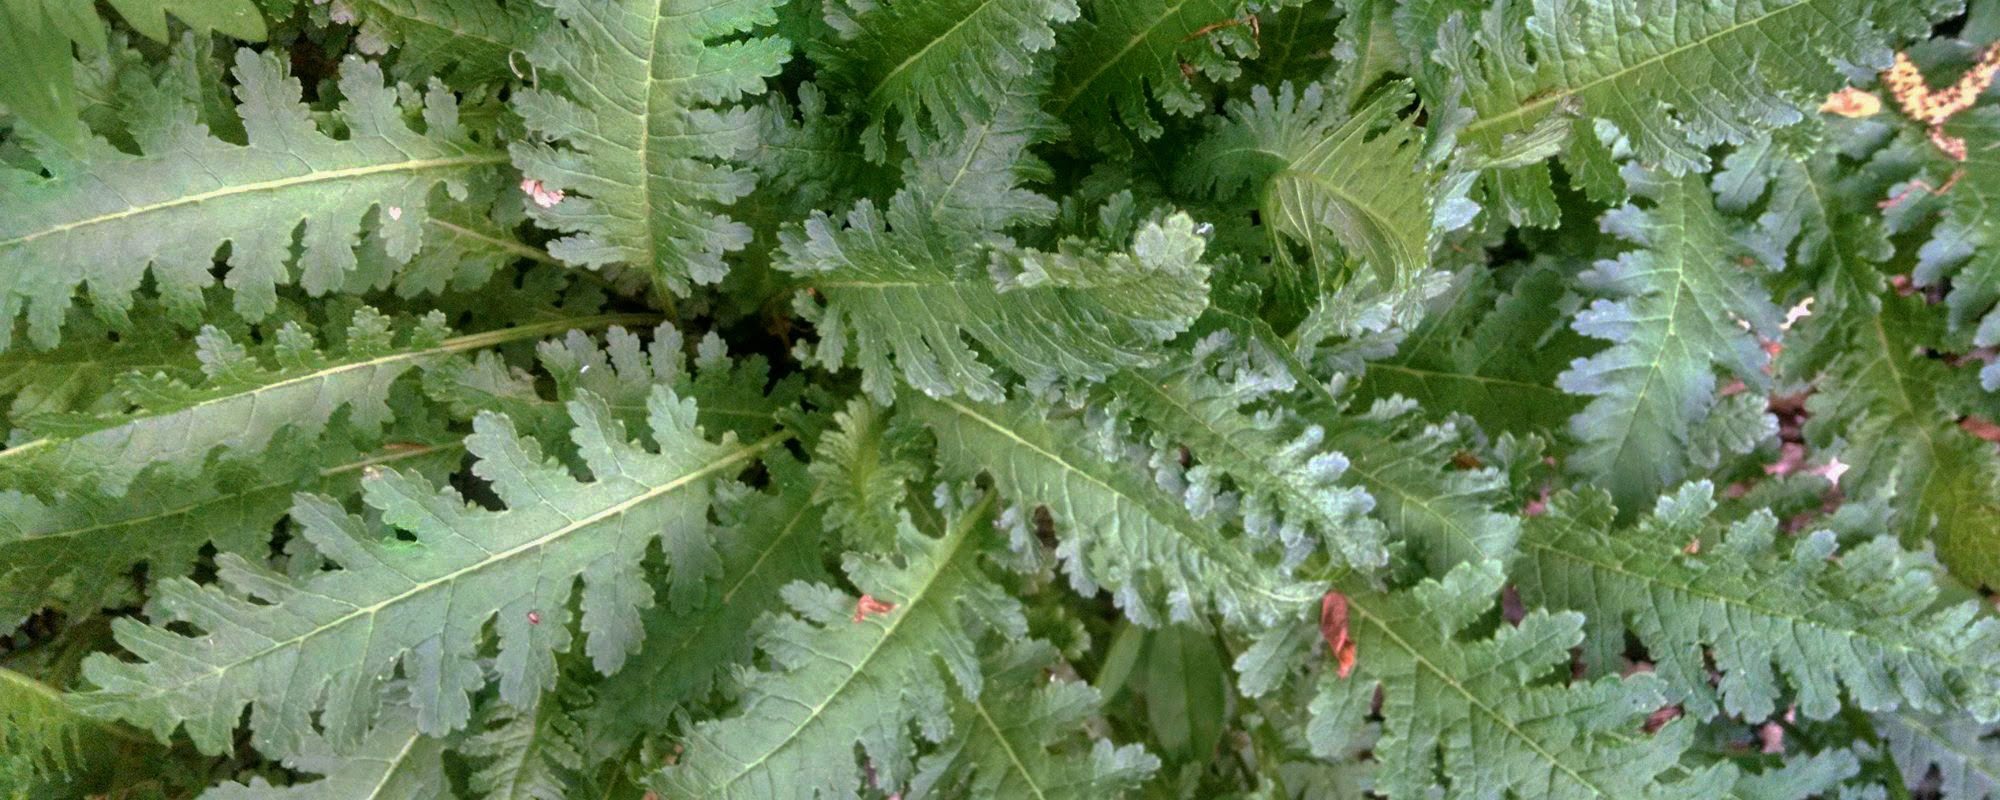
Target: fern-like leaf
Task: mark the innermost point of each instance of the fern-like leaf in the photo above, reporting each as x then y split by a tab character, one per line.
1966	754
845	675
330	638
1682	306
466	41
909	287
766	541
1327	179
1120	531
242	403
649	94
1008	732
1470	715
1124	53
1860	624
109	219
526	753
393	761
936	60
1670	78
76	555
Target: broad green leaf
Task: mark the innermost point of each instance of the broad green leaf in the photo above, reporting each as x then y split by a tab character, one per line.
394	761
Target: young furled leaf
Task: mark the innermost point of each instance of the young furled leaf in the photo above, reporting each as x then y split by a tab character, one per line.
1682	306
1328	180
335	635
649	138
1797	618
110	218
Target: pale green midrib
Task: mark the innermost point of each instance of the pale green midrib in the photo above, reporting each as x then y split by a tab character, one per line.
880	85
1668	338
1413	252
1006	746
393	764
1555	97
1224	556
1062	104
317	176
740	454
460	344
1722	600
386	457
955	538
1428	374
1472	700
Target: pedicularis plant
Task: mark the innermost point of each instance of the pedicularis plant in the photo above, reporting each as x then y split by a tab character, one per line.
999	398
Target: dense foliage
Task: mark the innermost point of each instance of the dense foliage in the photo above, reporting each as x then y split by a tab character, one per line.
999	398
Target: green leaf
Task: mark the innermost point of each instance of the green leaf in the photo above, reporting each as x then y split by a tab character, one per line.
1119	531
111	218
1675	310
650	140
766	540
1669	78
1964	753
1291	481
1329	180
1015	739
1467	715
1125	53
933	59
333	635
527	753
39	82
466	41
242	403
76	555
394	761
44	740
843	675
1796	622
1492	358
906	289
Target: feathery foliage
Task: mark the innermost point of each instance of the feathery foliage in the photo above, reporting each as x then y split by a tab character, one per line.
1385	399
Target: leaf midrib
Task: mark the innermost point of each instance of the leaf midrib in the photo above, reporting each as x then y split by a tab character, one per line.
214	670
955	538
316	176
